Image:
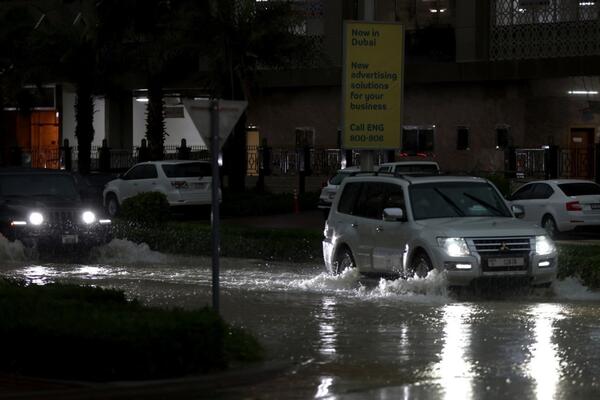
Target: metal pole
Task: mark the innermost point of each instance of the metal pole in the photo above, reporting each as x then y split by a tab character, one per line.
216	184
367	157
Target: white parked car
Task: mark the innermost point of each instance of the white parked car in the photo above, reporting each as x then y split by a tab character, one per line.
328	192
183	182
411	167
407	226
560	205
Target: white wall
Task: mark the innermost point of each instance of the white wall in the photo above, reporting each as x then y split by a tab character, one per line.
68	119
177	128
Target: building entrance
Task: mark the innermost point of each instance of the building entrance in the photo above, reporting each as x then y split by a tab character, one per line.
581	153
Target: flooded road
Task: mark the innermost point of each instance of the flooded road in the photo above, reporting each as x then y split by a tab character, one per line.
354	338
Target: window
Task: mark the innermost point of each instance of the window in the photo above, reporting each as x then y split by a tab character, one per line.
541	191
502	138
370	201
348	199
523	193
187	170
417	140
579	189
394	197
462	138
142	172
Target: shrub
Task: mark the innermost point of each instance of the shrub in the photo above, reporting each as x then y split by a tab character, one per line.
73	332
580	261
252	203
246	242
149	208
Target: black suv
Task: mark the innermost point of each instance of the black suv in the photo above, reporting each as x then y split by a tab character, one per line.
48	208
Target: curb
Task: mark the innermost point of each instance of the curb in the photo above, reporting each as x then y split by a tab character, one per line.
194	387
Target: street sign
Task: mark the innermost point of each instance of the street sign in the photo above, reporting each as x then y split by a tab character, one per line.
372	85
229	113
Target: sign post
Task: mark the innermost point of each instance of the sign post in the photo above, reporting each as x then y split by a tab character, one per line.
372	85
215	119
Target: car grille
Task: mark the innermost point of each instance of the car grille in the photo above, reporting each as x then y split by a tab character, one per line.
60	217
503	248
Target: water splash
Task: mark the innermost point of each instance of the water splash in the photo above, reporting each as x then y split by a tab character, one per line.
11	251
120	252
572	289
325	281
433	287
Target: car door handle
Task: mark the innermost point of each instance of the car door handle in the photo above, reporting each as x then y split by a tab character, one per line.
354	225
379	229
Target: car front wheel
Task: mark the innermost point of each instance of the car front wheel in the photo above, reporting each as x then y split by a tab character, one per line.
549	224
419	266
343	261
112	205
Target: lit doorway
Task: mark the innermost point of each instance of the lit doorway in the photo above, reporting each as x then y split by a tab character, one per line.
252	146
581	153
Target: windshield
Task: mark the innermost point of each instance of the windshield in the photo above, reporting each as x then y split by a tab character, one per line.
456	199
187	170
579	189
38	185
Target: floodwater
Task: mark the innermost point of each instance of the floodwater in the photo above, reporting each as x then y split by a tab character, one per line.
345	337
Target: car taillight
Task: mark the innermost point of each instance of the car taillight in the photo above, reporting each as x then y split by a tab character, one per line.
573	206
179	184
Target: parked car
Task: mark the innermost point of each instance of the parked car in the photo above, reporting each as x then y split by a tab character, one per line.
560	205
330	189
45	208
407	226
399	167
411	167
183	182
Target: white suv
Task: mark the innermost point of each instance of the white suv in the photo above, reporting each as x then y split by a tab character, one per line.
183	182
406	226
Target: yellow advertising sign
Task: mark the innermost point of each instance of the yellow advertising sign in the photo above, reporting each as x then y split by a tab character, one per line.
372	85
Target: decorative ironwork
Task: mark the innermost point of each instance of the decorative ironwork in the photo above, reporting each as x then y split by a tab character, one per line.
522	29
530	163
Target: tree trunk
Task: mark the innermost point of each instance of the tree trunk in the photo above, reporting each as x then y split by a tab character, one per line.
84	130
155	119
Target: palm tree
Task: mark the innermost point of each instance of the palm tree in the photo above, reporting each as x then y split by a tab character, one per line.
165	49
248	37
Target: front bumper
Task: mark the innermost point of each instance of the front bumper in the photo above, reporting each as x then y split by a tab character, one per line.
61	238
535	268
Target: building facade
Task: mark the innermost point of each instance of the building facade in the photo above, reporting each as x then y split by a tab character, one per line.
489	85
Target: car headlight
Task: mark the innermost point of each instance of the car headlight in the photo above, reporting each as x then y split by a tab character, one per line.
455	247
88	217
36	218
544	245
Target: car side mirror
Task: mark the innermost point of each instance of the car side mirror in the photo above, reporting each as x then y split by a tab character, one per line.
393	214
518	211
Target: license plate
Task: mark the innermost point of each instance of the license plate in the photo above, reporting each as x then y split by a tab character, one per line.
506	262
70	239
199	185
595	206
331	196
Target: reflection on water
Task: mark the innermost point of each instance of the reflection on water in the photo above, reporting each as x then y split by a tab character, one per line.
454	369
544	364
327	328
324	387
